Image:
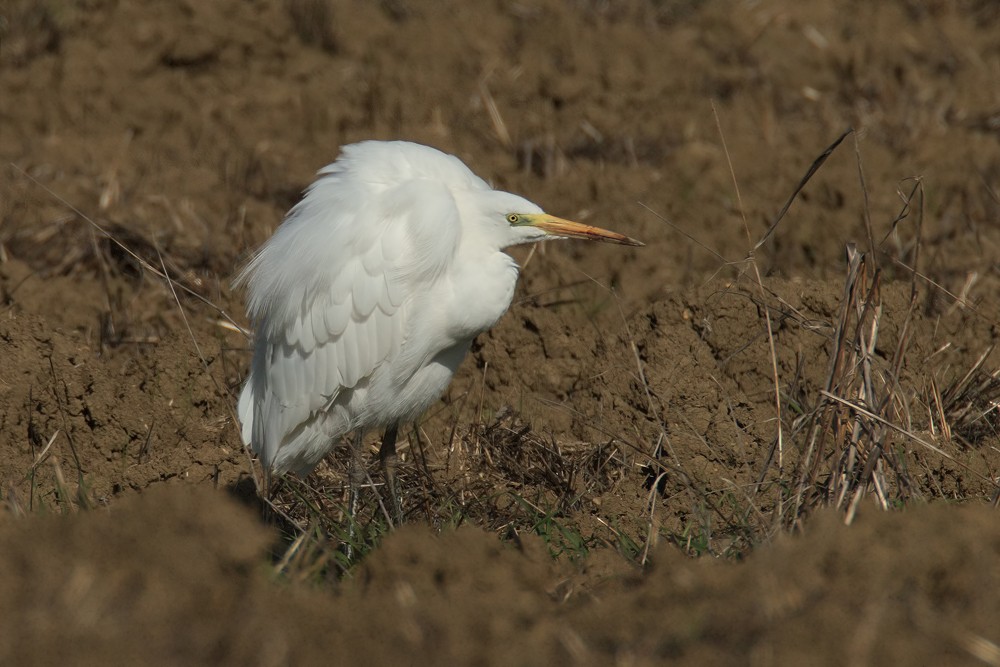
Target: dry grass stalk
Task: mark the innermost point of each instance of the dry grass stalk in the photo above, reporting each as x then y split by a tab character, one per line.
844	452
496	118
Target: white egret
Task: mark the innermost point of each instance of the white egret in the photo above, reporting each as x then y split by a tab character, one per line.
366	298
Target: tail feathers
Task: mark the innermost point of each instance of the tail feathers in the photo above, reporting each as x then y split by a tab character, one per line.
304	450
297	452
244	410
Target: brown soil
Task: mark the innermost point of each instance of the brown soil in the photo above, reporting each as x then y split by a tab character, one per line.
623	413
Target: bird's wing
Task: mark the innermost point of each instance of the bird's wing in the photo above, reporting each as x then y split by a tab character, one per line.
329	295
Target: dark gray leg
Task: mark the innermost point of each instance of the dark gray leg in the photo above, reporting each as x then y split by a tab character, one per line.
387	455
355	479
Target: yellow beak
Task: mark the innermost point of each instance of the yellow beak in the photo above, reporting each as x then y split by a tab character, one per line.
559	227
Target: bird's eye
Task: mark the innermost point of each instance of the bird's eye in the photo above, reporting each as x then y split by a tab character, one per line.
513	218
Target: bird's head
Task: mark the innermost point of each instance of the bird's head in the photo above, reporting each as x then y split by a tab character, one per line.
517	220
529	227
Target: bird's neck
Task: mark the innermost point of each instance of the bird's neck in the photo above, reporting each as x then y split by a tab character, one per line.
482	286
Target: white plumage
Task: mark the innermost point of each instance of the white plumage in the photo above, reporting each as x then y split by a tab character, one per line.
366	298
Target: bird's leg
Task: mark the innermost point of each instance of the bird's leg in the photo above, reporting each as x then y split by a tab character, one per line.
355	478
387	455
